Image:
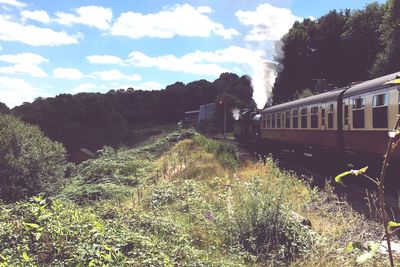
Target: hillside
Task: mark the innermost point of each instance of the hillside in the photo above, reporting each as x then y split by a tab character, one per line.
118	117
182	200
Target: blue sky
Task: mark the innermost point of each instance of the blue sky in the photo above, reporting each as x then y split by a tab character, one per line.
50	47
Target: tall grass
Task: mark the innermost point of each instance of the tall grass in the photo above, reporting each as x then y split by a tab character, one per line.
225	153
186	206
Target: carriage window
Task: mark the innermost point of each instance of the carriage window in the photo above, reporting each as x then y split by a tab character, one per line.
314	117
278	120
380	110
399	100
264	121
304	118
273	121
268	121
323	117
358	112
287	119
295	118
330	116
346	114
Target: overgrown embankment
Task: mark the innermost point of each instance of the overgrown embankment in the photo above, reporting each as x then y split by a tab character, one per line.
183	200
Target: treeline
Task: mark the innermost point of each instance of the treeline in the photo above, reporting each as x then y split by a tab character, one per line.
4	109
340	47
92	120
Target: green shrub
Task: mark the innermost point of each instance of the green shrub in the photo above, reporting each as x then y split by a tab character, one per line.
43	232
225	153
30	163
264	227
87	193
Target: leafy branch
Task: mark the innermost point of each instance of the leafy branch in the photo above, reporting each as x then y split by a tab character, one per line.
393	143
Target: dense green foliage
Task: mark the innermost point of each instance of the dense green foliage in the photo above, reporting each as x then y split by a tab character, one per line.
92	120
4	109
388	59
173	202
60	233
30	163
225	153
262	224
115	173
340	47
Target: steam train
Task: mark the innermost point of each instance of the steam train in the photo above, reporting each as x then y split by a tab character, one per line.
352	119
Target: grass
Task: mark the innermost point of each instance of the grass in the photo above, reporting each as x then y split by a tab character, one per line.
182	200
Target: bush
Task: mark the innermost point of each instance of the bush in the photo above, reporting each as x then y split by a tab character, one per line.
44	232
225	153
262	225
30	163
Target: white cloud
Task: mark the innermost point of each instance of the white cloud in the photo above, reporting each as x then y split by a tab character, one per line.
113	75
38	15
29	69
262	72
68	73
24	63
149	86
232	54
198	62
172	63
205	63
32	35
21	58
92	88
94	16
15	91
85	87
105	59
13	3
268	22
182	20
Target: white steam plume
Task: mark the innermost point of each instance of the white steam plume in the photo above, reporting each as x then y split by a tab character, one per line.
263	79
235	113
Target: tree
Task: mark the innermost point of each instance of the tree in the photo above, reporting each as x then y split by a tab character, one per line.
29	162
4	109
296	66
361	41
339	47
388	60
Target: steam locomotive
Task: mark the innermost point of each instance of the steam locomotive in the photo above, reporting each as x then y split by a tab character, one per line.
352	119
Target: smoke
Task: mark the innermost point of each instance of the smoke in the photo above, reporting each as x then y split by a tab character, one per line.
235	113
263	79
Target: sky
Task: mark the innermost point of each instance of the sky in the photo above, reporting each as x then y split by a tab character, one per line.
51	47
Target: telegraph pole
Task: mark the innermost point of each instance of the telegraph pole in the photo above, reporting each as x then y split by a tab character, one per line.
225	114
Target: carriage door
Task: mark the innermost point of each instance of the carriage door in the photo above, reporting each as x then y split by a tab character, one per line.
322	127
346	122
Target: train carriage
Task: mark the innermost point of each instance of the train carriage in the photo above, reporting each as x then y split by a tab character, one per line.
356	118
